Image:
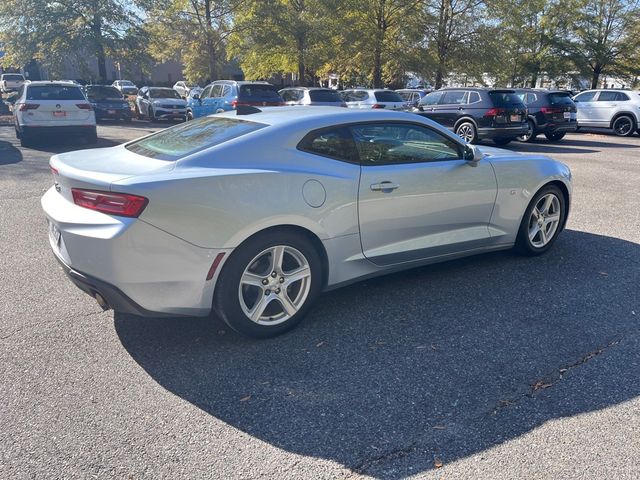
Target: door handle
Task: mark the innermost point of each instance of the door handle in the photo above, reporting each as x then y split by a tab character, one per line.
384	187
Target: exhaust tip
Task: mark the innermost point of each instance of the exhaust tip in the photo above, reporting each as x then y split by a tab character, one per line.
101	301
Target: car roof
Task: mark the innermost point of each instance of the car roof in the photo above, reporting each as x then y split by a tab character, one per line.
310	88
56	83
239	82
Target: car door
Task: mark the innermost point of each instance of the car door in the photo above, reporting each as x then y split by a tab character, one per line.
585	104
604	107
418	198
210	104
450	108
427	105
197	105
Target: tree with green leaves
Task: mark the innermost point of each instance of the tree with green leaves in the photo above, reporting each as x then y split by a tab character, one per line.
59	32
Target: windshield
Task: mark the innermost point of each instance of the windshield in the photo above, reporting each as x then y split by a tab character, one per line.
507	98
259	92
12	77
127	83
54	92
560	99
388	97
324	96
103	93
187	138
163	93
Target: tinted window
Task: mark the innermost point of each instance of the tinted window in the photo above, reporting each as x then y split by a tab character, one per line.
622	97
103	93
13	77
406	96
505	99
395	143
560	99
473	97
264	93
585	97
163	93
608	96
356	96
324	96
54	92
431	99
187	138
387	97
335	143
216	91
453	98
206	92
127	83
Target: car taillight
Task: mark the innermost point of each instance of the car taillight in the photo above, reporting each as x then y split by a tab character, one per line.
378	105
547	110
84	106
121	204
494	112
28	106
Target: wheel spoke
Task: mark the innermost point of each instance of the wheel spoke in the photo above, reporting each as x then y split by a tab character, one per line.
547	204
277	256
286	303
552	218
297	275
251	279
536	213
543	235
258	309
533	232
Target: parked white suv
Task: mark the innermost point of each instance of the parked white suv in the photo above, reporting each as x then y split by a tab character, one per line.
183	88
615	109
53	108
374	98
10	82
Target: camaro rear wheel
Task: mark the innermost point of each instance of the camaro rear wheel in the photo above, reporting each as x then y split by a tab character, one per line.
268	284
542	222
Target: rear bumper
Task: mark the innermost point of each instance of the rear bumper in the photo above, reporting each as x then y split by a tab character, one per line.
57	130
559	127
102	114
503	132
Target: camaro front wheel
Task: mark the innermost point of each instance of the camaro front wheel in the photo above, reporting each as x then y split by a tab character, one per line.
542	222
268	284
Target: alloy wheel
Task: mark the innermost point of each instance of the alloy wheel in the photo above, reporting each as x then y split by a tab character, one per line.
544	220
465	131
275	285
623	126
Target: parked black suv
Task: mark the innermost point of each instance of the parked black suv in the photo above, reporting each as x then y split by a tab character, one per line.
477	113
551	112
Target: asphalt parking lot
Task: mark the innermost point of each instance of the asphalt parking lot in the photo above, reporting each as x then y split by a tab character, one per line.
495	366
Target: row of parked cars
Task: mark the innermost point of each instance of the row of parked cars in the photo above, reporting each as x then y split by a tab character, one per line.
475	114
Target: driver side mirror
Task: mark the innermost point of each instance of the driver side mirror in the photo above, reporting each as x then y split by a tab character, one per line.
472	154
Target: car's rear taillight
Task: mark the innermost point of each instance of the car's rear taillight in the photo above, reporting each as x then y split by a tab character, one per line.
84	106
378	105
494	112
28	106
121	204
547	110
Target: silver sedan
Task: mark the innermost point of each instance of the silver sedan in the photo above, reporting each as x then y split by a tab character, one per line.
252	214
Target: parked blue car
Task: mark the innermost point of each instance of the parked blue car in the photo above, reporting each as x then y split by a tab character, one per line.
224	95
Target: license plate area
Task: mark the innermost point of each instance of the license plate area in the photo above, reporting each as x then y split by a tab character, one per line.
515	118
111	112
59	114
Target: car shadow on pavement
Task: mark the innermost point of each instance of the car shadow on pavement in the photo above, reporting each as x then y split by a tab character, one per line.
440	362
9	154
63	144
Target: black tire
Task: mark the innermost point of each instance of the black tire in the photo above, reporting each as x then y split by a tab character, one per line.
92	137
25	141
530	136
189	115
524	245
150	114
555	137
624	126
501	141
226	300
139	115
467	131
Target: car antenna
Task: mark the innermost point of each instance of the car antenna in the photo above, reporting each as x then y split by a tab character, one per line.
246	110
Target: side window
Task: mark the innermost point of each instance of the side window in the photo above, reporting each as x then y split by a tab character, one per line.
334	143
585	97
622	97
206	92
531	98
397	143
453	98
226	91
431	99
216	91
359	95
286	95
607	96
473	97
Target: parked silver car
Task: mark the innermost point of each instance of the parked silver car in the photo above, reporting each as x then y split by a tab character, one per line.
183	88
314	96
158	103
374	98
253	213
11	82
413	95
126	87
618	110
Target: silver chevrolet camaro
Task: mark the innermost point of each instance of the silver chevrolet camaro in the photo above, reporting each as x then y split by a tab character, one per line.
251	214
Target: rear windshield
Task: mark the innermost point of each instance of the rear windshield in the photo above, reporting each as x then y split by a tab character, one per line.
187	138
324	96
263	93
127	83
54	92
388	97
8	76
560	99
103	93
505	99
163	93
